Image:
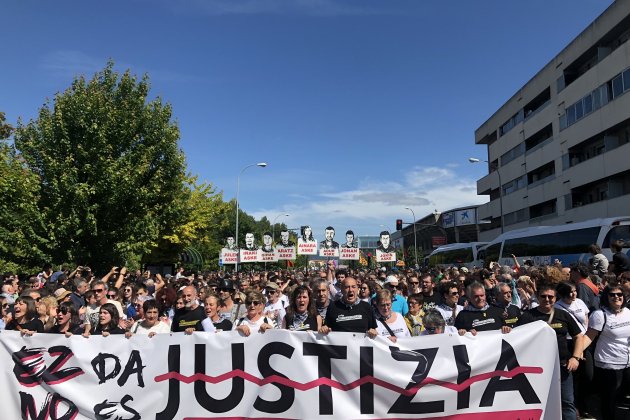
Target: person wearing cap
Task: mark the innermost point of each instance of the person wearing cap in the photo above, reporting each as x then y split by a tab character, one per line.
350	314
274	308
229	309
399	303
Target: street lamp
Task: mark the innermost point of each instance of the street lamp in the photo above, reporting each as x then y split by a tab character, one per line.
238	187
273	226
496	168
415	241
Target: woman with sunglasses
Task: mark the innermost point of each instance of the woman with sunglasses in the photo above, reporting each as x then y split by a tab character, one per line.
390	324
25	319
128	297
5	317
108	319
254	321
301	312
68	321
611	325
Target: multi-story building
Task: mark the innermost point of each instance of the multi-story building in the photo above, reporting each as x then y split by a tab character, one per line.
559	149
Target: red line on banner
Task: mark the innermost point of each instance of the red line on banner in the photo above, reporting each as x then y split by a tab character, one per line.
497	415
347	387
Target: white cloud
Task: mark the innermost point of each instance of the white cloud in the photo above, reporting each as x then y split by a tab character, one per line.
375	203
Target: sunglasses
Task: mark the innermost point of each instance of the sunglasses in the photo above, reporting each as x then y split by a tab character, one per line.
128	290
252	302
111	295
63	310
5	305
98	290
454	293
431	330
549	297
612	294
414	282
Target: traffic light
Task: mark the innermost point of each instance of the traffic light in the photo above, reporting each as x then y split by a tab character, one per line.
398	224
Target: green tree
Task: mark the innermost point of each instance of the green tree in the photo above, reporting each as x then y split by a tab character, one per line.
21	229
112	174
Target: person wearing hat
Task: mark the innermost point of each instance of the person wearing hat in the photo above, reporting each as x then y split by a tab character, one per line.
62	295
399	303
229	309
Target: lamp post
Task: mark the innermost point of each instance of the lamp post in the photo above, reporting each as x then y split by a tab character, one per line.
496	168
273	226
238	187
415	241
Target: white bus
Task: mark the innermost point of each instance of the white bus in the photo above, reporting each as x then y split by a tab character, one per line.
458	255
567	243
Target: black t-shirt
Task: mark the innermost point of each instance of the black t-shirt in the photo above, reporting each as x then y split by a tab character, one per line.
345	318
223	325
188	319
99	330
73	329
511	314
432	301
310	324
562	323
621	261
488	320
34	324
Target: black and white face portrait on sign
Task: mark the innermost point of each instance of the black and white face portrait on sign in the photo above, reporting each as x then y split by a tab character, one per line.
267	242
250	242
307	234
350	243
230	243
385	243
329	243
284	239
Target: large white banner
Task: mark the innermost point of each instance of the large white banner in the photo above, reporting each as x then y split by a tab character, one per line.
281	375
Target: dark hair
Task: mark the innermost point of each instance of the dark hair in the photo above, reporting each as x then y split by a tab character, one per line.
604	300
546	286
617	246
113	312
292	308
74	314
580	268
594	249
563	289
443	288
148	305
31	307
349	232
88	295
418	297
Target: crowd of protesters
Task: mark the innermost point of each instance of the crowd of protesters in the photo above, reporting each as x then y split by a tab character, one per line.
587	305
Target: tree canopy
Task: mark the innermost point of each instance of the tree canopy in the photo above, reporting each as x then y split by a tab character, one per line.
98	178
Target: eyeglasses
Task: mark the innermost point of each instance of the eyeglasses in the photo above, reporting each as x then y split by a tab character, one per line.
5	305
252	302
549	297
63	310
431	330
612	294
414	283
98	290
111	295
454	293
128	290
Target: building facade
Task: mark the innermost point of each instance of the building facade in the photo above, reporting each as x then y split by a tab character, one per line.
559	149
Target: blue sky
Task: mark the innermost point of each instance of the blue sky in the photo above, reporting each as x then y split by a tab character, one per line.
361	108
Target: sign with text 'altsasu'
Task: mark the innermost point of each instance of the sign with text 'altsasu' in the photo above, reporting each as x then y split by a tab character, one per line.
281	375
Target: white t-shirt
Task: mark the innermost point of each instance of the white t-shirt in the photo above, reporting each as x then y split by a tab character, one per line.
578	309
398	327
613	345
253	326
159	328
447	312
275	311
